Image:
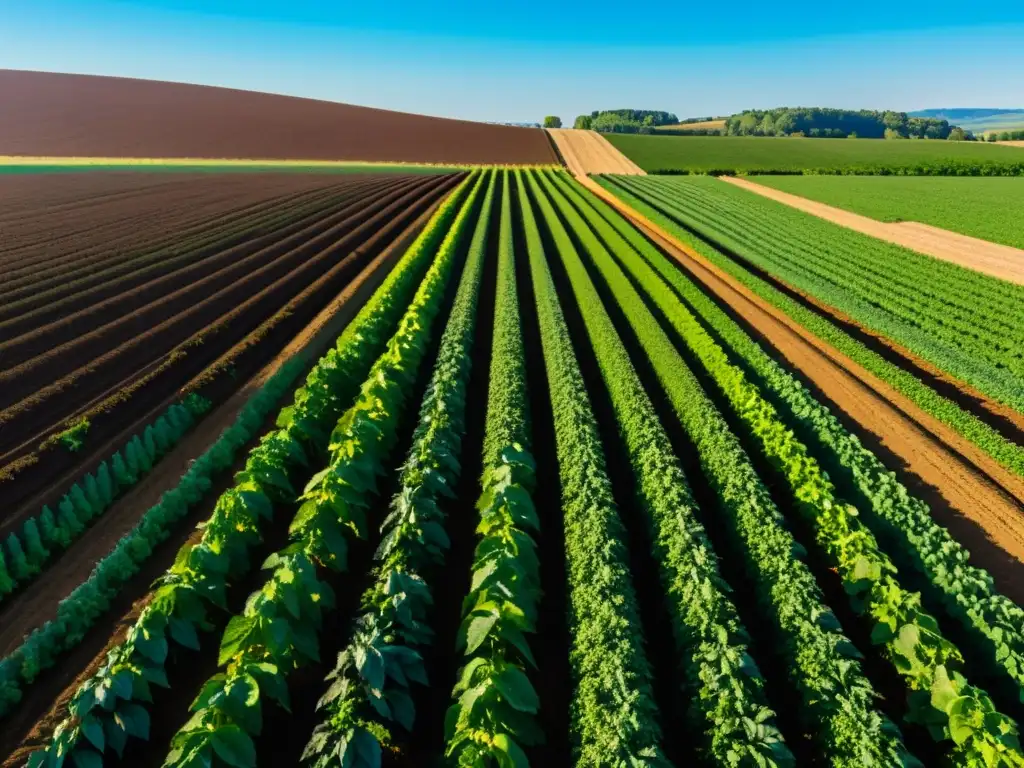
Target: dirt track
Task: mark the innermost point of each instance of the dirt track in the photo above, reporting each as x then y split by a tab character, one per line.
587	152
1000	261
981	503
1011	143
56	115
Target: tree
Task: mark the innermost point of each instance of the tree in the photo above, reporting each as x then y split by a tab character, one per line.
552	122
957	134
583	122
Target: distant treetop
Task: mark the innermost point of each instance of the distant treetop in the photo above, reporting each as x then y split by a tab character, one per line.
625	120
835	123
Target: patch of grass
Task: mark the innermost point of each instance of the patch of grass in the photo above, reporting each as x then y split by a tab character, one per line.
751	154
989	208
73	438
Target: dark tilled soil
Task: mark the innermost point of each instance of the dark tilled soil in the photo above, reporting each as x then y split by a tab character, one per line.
126	394
58	115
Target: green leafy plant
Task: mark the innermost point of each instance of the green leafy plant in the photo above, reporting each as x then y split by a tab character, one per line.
370	686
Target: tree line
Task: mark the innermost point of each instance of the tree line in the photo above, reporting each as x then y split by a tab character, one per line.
822	122
625	120
1005	136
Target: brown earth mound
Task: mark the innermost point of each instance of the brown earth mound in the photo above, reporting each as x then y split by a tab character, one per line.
58	115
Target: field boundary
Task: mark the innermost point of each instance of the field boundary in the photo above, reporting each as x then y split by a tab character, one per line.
994	259
29	161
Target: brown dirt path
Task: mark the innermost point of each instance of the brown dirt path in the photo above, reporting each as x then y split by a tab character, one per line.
45	702
587	152
1011	143
980	503
1000	261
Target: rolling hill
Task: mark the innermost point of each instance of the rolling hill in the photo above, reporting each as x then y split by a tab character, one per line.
59	115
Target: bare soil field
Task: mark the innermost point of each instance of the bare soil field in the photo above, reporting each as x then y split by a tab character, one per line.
57	115
117	338
979	501
1011	143
589	152
989	258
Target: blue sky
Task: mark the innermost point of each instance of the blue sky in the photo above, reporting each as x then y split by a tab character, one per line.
486	60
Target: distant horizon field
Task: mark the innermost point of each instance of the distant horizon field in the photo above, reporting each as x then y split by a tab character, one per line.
750	154
987	208
704	125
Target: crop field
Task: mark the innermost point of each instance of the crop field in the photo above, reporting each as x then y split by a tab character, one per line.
752	154
990	208
547	495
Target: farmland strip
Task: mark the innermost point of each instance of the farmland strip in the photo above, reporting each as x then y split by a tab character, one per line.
493	715
725	686
196	582
279	628
370	690
910	639
822	664
966	424
911	535
613	713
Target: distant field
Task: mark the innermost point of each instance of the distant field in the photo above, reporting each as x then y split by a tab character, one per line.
991	209
740	154
705	125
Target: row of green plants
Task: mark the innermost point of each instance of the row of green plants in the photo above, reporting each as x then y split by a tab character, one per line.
729	705
613	715
278	630
958	296
370	685
955	305
493	713
908	637
25	553
967	425
961	354
838	701
113	705
949	168
903	522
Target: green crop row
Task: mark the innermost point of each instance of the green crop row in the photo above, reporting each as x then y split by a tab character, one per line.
903	522
110	706
613	714
492	717
970	427
278	631
370	683
910	639
728	701
91	496
822	663
808	254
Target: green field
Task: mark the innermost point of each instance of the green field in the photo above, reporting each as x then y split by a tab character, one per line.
740	154
992	209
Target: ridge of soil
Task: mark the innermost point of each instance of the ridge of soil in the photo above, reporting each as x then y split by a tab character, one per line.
993	259
976	499
43	706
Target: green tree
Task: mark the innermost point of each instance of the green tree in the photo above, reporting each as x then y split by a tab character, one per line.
583	122
957	134
552	122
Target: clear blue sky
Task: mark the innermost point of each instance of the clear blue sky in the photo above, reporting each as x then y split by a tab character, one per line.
517	61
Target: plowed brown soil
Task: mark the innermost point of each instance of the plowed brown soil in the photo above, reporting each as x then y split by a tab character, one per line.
49	697
981	503
589	152
58	115
1000	261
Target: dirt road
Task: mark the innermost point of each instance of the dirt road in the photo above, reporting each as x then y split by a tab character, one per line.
978	501
1000	261
590	152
